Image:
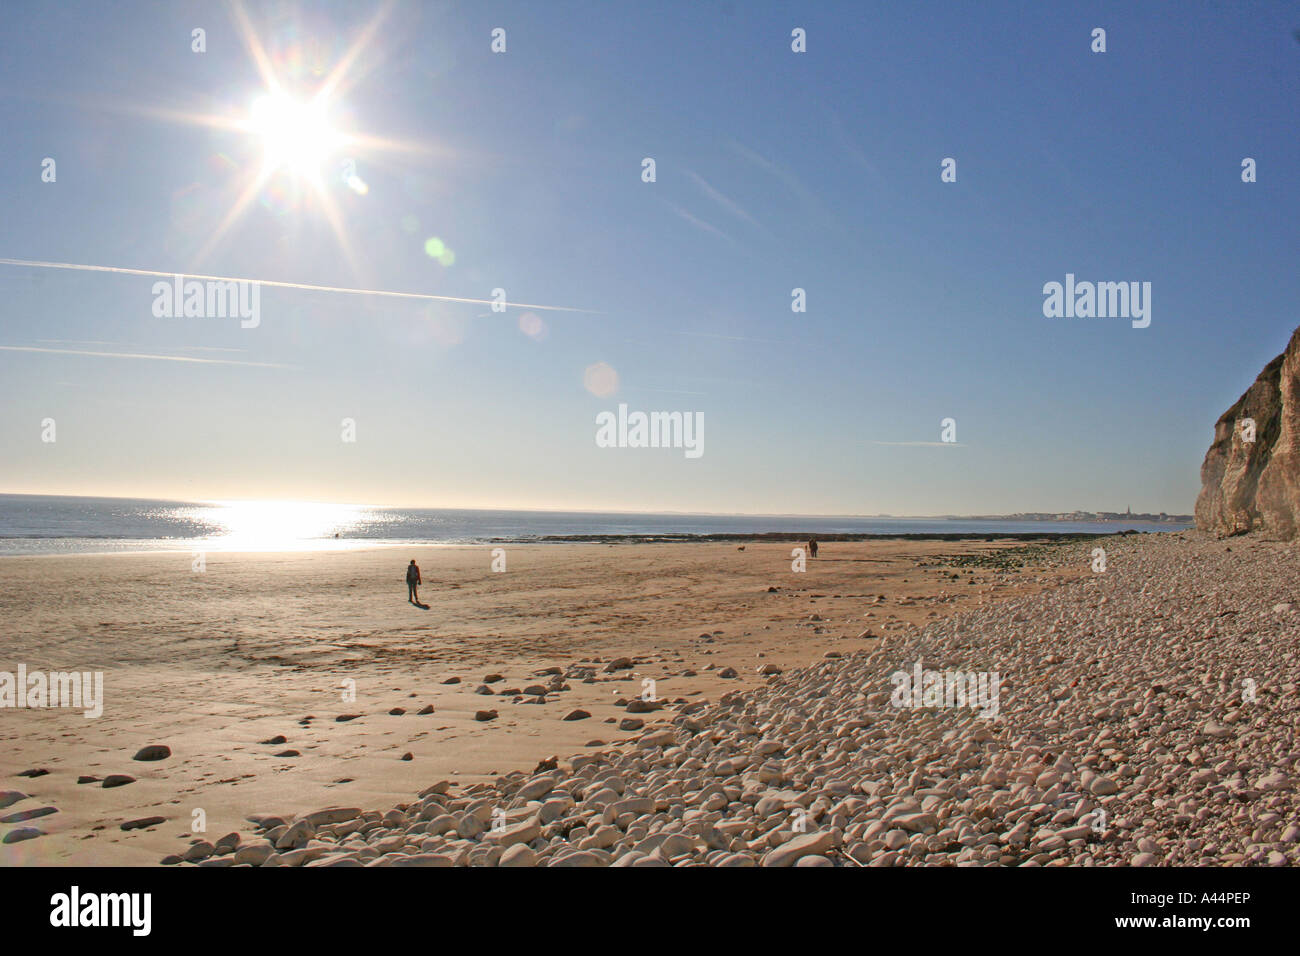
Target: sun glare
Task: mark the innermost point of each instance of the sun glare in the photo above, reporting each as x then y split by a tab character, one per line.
306	154
295	136
277	525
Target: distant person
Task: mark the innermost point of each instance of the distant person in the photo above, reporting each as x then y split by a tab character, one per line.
812	547
413	580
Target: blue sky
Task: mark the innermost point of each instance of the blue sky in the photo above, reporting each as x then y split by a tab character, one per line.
775	170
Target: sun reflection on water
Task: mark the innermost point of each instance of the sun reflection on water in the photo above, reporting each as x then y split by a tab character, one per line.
283	525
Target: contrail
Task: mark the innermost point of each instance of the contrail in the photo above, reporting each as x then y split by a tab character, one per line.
142	355
732	338
288	285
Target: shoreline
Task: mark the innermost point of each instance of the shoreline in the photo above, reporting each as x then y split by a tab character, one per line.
785	536
350	545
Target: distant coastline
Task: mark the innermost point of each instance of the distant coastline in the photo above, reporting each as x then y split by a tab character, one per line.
1161	517
777	536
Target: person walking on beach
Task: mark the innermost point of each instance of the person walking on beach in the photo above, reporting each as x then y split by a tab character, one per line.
413	580
812	547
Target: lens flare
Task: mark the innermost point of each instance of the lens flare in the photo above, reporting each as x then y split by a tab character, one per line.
532	326
600	379
435	248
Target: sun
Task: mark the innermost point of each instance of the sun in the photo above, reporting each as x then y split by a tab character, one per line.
306	154
295	136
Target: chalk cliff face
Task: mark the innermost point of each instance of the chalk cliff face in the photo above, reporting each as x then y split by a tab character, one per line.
1255	486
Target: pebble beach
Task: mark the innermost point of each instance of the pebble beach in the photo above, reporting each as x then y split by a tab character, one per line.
280	682
1147	716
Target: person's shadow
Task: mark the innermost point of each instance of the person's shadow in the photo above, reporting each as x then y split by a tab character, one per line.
422	607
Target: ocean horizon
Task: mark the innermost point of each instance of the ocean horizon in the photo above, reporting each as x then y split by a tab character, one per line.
56	524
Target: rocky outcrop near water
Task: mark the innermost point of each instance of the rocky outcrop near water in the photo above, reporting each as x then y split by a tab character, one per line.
1250	479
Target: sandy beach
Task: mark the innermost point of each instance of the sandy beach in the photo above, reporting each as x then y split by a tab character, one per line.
244	670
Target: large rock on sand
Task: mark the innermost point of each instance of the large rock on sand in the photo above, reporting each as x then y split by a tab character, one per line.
1255	486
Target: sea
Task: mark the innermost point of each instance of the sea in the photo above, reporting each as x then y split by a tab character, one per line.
47	524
